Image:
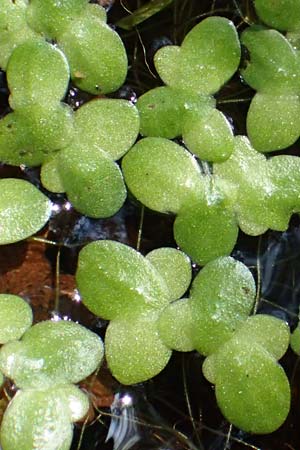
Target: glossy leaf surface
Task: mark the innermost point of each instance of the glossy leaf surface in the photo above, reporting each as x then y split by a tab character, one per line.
203	63
92	180
95	68
174	267
161	174
36	419
134	350
15	317
115	280
110	124
74	353
24	210
175	326
37	72
222	296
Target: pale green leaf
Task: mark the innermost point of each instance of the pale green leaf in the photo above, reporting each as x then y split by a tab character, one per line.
24	210
162	175
37	420
268	131
175	326
115	280
110	124
174	267
95	68
222	296
134	349
75	352
15	317
92	180
37	72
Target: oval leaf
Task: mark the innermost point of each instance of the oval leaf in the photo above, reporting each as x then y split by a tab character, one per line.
24	210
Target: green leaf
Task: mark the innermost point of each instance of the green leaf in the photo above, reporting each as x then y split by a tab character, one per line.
162	175
110	124
36	419
208	134
74	353
243	179
14	29
295	340
284	173
273	66
95	68
174	267
115	280
252	390
77	401
134	350
143	13
161	112
50	175
37	72
203	63
51	18
270	332
28	136
268	131
15	317
24	210
175	326
281	14
206	231
222	296
92	180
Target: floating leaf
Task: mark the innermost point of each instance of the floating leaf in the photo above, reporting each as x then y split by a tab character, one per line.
133	348
222	296
273	65
51	18
92	180
36	419
37	72
161	174
95	68
268	131
28	136
14	29
295	340
243	178
208	134
110	124
161	111
115	280
74	353
271	333
174	267
77	400
281	14
23	210
175	326
284	172
50	175
15	317
206	230
252	390
203	63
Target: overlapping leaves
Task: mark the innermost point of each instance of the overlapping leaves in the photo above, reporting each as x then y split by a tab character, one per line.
44	364
193	72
